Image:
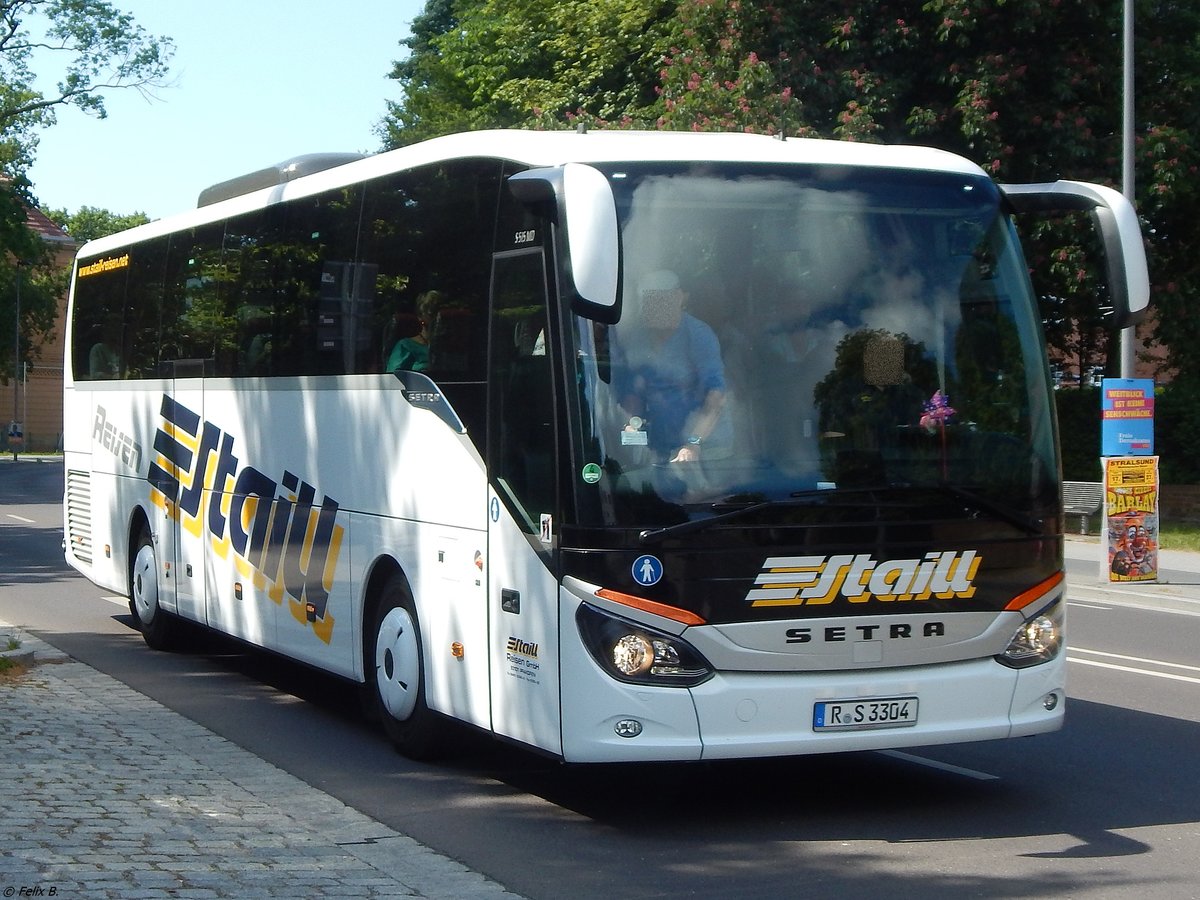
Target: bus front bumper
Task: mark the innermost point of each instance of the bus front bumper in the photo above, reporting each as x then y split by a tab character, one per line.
756	714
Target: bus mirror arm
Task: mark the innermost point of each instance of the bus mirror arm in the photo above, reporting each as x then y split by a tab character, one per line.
1117	223
579	200
538	189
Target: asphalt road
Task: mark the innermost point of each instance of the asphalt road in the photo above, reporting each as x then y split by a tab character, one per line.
1109	807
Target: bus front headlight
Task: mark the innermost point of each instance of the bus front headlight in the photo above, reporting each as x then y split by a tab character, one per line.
1038	640
635	653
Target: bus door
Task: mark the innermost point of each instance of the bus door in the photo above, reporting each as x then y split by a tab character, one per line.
181	445
521	450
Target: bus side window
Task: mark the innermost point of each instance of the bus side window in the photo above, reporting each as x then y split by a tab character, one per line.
430	230
195	325
97	353
252	245
144	310
323	315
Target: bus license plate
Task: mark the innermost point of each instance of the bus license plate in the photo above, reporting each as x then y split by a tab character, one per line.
878	712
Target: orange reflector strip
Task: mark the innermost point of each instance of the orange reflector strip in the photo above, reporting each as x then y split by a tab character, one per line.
659	609
1035	593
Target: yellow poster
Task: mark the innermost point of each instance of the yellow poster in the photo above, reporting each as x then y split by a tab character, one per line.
1131	517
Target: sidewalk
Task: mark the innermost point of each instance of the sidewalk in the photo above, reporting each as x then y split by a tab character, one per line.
1177	588
107	793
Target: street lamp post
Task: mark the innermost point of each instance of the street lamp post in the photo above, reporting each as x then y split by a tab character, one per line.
1128	337
12	435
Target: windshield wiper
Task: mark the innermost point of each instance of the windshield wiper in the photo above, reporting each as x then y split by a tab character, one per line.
1013	517
799	498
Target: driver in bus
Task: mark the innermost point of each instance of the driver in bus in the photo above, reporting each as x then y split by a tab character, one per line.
670	378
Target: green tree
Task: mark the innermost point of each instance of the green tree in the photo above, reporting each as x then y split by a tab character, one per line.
88	46
1029	90
492	64
435	101
90	222
85	48
25	274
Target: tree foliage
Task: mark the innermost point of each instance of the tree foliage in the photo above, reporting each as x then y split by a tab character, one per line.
83	48
90	222
25	268
1029	90
505	63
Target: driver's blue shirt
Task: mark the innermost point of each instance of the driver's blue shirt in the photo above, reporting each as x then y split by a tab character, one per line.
672	379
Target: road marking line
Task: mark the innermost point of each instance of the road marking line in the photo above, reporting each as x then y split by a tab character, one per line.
934	764
119	601
1088	605
1103	665
1137	659
21	519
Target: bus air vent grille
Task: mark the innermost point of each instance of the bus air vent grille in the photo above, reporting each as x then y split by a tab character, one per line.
79	514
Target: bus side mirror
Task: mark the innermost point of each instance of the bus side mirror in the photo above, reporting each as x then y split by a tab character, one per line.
580	199
1117	223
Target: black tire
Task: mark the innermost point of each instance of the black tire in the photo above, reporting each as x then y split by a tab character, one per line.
395	670
159	628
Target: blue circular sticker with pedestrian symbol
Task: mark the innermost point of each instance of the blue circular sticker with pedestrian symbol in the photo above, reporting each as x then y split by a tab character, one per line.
647	570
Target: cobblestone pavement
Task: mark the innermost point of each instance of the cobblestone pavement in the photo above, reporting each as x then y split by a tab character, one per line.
107	793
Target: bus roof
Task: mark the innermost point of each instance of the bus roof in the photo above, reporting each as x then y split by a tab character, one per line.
554	148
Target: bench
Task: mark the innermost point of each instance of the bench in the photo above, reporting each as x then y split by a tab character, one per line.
1083	499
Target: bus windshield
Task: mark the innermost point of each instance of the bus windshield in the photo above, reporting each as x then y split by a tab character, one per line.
801	333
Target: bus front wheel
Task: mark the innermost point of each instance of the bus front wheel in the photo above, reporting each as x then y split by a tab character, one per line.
397	676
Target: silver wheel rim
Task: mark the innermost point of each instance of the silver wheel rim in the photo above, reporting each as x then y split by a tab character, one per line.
397	663
145	584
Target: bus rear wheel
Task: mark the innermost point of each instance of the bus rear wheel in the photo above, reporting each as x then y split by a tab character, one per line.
159	628
396	676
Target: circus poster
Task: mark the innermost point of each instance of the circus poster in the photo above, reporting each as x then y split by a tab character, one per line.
1131	517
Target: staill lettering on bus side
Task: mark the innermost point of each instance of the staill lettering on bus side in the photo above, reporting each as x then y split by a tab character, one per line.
291	545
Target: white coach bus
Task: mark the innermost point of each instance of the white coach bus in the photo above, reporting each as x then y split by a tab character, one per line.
621	446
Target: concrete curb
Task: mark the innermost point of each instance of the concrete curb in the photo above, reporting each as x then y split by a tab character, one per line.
30	650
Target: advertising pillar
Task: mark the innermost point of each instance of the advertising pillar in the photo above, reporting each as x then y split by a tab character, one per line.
1130	479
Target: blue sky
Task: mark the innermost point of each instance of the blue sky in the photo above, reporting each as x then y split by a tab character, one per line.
255	82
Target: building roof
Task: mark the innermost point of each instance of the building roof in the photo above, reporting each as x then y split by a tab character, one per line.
39	223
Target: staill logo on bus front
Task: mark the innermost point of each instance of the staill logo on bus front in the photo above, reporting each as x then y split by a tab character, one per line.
282	540
817	580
